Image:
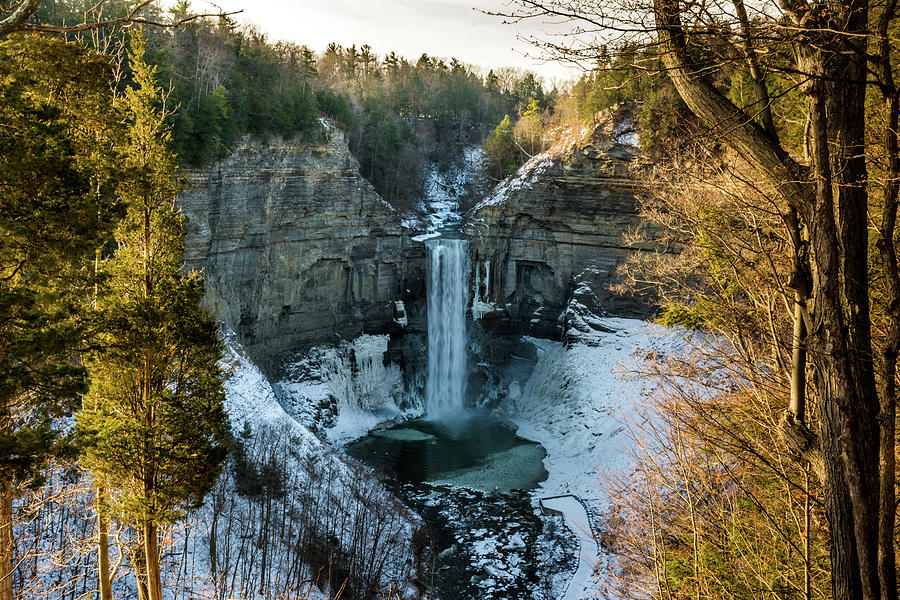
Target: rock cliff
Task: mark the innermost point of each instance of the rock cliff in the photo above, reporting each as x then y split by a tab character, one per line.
297	247
561	221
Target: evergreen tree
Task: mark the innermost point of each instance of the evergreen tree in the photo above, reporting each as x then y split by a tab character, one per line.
529	88
529	130
153	425
57	124
307	66
502	157
491	82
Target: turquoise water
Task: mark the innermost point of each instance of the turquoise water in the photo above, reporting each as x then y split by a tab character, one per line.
477	452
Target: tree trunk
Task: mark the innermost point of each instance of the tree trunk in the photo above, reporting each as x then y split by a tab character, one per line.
761	92
801	283
798	363
265	544
20	14
843	89
213	545
732	125
139	562
105	582
840	340
7	542
887	569
151	557
833	380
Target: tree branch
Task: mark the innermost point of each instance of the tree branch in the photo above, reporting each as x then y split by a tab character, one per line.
18	20
743	134
19	16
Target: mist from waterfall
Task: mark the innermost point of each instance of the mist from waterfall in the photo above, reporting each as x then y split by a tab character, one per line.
448	271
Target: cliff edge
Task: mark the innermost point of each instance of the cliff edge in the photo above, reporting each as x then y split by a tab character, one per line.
560	222
297	248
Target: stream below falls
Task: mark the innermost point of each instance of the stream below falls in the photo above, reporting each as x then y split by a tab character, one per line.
466	472
471	481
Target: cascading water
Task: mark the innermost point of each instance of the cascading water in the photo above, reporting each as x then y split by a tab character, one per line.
448	269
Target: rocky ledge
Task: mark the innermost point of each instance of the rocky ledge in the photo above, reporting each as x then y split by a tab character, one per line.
563	219
297	248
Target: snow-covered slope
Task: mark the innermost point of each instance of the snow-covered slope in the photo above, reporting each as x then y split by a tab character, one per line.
445	190
523	178
288	518
579	401
250	398
346	390
351	518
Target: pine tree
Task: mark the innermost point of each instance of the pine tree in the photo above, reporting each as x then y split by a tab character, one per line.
502	156
153	426
492	82
56	126
307	64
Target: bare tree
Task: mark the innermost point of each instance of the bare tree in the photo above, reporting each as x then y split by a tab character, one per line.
826	48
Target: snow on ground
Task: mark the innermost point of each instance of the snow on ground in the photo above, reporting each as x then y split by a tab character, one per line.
499	546
578	402
354	423
249	397
349	382
523	178
350	490
564	140
426	236
624	133
445	188
325	504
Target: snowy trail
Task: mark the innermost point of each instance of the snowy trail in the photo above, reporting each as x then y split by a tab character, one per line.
576	517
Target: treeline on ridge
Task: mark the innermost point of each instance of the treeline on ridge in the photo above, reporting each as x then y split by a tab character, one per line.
228	81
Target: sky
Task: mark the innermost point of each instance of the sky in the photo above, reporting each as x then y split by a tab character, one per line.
441	28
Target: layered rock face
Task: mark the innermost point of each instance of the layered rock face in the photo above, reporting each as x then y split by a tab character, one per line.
297	248
561	221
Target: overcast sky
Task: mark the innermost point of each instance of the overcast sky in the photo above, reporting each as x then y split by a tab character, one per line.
442	28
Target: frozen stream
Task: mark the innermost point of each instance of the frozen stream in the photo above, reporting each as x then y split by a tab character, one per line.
576	517
473	485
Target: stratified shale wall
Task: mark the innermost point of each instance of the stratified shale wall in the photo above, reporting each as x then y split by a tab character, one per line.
297	248
561	221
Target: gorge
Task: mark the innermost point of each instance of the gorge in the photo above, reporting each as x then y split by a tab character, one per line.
295	321
405	345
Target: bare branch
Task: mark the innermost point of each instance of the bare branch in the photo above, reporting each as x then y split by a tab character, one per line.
19	16
18	20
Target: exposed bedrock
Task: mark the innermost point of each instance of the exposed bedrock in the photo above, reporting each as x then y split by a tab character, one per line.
552	237
298	249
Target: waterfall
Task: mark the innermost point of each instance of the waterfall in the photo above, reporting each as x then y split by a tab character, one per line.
448	271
